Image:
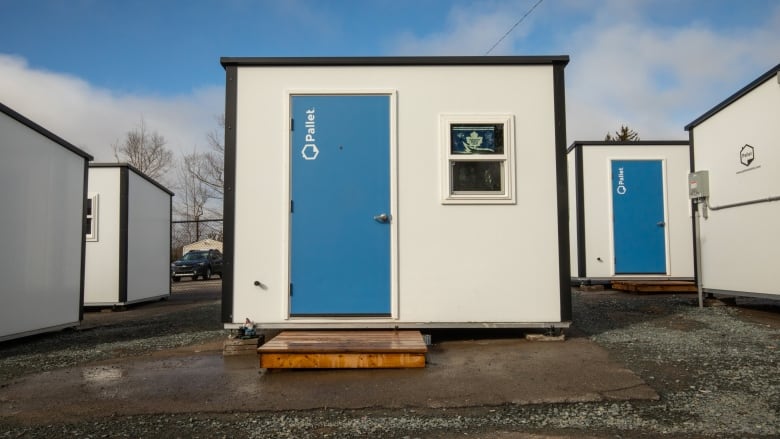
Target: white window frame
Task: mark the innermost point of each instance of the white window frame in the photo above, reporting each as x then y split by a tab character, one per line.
92	235
507	194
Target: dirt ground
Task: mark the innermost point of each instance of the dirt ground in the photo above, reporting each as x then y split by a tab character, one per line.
466	370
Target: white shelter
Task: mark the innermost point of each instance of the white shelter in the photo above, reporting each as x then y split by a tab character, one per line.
203	244
44	183
396	192
738	143
630	212
128	237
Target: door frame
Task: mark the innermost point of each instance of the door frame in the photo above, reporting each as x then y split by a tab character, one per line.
611	214
286	303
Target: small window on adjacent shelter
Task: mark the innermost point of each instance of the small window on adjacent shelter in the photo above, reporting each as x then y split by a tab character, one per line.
91	217
478	151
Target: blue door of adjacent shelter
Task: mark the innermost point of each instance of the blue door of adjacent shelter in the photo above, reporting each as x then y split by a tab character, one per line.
638	214
340	205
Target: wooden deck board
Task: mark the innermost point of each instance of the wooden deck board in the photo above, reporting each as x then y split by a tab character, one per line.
344	349
659	286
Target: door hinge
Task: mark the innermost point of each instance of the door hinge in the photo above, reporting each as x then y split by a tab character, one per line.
291	289
292	206
292	124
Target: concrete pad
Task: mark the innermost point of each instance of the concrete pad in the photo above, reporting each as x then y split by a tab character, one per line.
459	373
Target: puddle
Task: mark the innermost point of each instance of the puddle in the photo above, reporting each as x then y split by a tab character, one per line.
102	375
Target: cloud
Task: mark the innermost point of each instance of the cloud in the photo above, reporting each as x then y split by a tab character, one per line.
94	119
657	79
468	30
638	63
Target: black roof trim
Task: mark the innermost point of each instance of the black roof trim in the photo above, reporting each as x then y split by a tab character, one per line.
577	143
43	131
394	61
134	169
735	97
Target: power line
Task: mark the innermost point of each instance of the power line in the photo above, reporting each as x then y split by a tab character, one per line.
514	26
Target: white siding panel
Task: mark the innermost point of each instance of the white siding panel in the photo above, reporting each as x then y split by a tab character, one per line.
741	246
599	243
741	249
41	217
456	263
148	240
101	283
751	120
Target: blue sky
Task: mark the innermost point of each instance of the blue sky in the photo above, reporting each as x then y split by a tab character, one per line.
90	69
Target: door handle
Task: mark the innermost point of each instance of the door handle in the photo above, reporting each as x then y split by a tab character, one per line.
382	218
660	224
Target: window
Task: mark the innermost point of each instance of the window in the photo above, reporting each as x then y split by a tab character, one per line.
478	159
91	217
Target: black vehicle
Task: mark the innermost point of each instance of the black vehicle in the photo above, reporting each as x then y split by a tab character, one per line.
197	263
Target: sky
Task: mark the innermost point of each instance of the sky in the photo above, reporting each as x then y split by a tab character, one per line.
91	70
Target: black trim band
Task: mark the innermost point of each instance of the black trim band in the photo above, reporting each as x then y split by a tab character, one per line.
83	239
395	61
124	214
561	171
579	202
229	200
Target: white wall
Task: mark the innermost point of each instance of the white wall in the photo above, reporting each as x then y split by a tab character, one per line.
438	279
741	246
148	240
599	242
41	207
101	280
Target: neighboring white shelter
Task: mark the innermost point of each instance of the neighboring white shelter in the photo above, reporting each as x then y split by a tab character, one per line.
44	184
203	244
128	237
630	212
738	143
396	192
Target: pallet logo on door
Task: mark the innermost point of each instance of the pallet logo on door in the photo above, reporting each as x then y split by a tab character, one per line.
310	150
621	185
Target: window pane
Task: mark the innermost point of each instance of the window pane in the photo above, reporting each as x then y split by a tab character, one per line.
481	176
477	138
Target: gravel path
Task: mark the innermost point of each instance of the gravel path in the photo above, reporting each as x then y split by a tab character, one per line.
716	370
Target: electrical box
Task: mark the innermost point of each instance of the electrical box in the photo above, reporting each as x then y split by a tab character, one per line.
699	185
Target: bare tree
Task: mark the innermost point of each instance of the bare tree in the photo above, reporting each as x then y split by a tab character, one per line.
193	196
199	192
209	167
624	134
145	150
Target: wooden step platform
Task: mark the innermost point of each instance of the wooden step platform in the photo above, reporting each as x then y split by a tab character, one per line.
343	350
649	286
240	346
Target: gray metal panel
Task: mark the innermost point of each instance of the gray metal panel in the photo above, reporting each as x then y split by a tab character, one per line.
43	228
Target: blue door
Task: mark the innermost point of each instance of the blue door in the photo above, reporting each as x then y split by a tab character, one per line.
340	206
638	215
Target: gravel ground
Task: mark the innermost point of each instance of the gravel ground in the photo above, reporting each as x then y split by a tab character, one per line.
716	370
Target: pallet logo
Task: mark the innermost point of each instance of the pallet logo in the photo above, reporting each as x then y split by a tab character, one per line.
621	182
746	155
